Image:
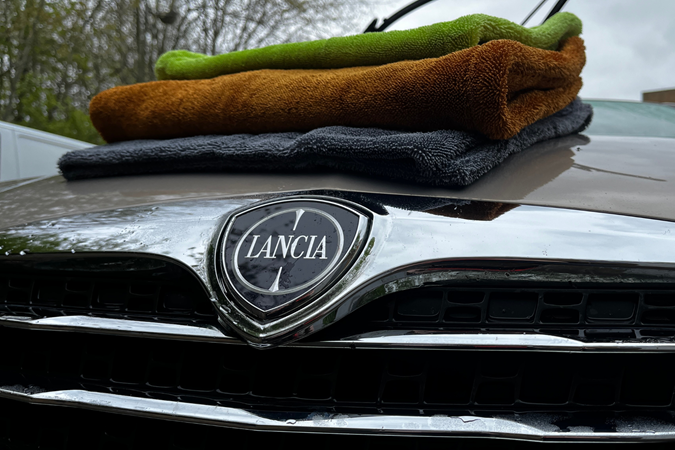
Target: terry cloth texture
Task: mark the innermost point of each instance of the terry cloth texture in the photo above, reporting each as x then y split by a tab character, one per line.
369	49
496	88
442	157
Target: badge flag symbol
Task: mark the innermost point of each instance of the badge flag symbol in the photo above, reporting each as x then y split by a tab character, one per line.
286	249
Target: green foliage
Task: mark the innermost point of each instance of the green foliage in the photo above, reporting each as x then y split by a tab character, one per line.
56	54
42	109
41	75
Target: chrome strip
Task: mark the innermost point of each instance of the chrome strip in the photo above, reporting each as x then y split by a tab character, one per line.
490	341
527	427
405	250
390	340
119	327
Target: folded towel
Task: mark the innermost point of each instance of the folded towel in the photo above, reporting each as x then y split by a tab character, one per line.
442	157
369	49
496	88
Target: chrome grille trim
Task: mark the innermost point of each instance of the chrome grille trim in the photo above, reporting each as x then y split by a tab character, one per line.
490	341
120	327
398	255
377	340
525	427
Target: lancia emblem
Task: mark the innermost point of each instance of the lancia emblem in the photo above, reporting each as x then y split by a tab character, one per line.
277	257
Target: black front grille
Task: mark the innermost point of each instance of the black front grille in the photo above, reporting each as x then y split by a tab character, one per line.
303	380
146	288
340	380
132	288
592	313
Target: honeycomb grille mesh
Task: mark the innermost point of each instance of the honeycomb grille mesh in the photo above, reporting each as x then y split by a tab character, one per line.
163	293
588	313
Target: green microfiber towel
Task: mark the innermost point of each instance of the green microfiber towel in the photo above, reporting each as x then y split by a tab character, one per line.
369	49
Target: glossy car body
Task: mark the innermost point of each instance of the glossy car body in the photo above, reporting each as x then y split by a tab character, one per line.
585	217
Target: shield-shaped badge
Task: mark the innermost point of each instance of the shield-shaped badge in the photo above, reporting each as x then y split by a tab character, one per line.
276	257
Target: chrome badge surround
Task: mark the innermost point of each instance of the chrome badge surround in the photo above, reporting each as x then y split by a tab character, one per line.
558	244
250	307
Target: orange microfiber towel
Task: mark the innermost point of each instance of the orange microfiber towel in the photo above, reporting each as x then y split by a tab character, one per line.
496	88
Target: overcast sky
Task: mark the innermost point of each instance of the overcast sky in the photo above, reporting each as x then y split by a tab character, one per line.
630	44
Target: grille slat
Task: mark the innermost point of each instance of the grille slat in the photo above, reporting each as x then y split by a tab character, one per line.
24	426
340	379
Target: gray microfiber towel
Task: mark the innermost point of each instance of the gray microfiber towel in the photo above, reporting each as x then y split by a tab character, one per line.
442	157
